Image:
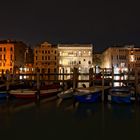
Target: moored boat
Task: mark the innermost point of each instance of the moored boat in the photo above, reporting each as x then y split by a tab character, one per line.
90	94
66	94
120	94
3	94
49	92
23	93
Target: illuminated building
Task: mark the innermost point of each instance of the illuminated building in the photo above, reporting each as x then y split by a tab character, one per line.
75	55
28	61
134	58
122	58
45	58
11	55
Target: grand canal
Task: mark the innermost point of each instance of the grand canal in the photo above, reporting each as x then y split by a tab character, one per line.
67	119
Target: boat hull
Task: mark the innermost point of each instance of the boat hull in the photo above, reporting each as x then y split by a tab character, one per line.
92	97
120	95
23	94
66	94
3	94
119	99
49	92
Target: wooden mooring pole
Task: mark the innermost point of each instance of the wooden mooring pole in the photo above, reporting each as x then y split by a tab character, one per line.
75	78
112	76
63	71
136	84
91	77
38	84
103	85
8	78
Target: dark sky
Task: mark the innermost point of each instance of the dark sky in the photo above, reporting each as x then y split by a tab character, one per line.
101	22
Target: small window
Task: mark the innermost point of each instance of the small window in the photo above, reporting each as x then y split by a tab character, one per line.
11	49
11	58
89	62
42	57
48	70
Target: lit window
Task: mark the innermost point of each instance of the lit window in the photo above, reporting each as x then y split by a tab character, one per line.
89	52
132	58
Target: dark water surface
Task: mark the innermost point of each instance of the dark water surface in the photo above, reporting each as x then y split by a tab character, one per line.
66	120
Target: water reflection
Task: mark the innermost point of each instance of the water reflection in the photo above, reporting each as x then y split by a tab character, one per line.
84	111
66	105
51	115
122	111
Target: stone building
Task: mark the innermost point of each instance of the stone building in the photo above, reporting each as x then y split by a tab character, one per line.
45	58
78	56
122	57
11	55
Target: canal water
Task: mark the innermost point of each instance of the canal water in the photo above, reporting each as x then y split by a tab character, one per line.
53	119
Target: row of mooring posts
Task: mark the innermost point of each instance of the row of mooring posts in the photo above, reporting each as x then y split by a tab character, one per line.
75	81
103	70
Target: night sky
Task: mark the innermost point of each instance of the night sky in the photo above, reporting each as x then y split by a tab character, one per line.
100	22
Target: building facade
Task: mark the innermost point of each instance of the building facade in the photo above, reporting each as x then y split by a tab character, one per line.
45	58
122	58
75	56
28	62
11	55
